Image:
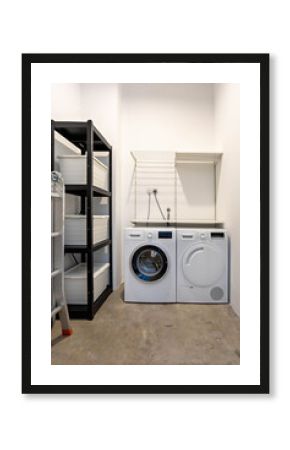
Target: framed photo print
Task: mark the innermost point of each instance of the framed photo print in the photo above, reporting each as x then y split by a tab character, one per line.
145	245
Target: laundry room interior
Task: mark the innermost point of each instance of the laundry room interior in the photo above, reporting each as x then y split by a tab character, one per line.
145	223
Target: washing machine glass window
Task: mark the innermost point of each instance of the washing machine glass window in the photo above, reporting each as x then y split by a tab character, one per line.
149	263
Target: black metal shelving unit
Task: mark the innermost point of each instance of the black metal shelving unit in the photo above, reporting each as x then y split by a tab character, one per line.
89	140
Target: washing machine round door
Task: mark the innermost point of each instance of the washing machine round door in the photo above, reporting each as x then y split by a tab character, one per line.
149	263
203	265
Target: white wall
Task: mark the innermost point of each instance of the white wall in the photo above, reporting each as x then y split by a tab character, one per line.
66	102
227	137
167	117
195	191
162	118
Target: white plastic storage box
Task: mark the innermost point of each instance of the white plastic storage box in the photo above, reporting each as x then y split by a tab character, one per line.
74	170
75	282
75	229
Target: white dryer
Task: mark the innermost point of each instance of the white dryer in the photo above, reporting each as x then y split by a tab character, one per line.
150	265
202	266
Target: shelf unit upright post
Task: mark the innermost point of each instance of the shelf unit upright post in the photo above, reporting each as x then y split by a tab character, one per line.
90	254
88	140
111	221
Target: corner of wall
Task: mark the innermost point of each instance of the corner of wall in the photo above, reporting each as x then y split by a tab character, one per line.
227	138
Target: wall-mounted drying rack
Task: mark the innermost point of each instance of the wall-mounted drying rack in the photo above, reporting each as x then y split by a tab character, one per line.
187	182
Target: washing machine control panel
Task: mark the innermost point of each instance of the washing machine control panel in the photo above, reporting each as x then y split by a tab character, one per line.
164	234
149	235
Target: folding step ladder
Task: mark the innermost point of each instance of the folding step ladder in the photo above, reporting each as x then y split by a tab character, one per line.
58	302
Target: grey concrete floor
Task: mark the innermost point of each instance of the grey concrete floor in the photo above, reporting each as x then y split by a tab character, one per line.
123	333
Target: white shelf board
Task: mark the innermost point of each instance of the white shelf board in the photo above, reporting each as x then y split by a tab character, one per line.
158	157
197	158
178	221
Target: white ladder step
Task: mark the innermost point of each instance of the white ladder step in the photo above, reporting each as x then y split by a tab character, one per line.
55	273
56	310
58	300
56	233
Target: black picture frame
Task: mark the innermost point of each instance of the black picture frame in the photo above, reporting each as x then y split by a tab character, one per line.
263	61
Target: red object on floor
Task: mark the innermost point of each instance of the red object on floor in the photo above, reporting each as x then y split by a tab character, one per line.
67	332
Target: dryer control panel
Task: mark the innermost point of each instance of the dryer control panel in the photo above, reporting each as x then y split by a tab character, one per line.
203	235
217	235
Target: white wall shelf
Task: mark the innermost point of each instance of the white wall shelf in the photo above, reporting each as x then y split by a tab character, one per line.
162	157
176	222
197	158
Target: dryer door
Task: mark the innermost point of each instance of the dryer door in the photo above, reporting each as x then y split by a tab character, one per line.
203	265
149	263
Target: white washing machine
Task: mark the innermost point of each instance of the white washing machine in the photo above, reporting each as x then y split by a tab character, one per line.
150	265
202	266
